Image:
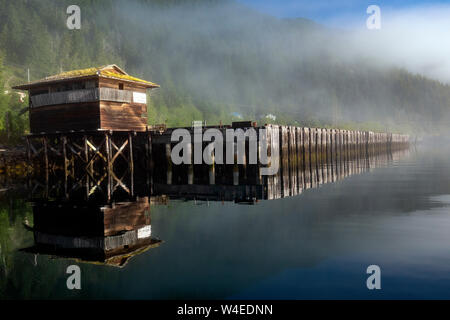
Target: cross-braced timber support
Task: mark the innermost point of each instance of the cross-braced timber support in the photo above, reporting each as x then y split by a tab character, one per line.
99	161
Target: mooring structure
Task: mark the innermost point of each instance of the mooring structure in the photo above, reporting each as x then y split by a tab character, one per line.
91	126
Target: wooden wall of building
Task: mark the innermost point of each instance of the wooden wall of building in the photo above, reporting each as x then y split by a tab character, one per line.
103	115
79	116
122	116
114	84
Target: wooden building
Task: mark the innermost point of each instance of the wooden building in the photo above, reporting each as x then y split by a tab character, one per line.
104	98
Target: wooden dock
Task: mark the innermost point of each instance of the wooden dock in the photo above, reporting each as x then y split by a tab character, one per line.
89	126
124	163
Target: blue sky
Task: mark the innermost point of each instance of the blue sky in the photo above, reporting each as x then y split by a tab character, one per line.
328	12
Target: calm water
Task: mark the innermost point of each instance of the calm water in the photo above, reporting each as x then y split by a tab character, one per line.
314	245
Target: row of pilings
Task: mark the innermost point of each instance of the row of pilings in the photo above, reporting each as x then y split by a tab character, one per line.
287	146
113	162
317	144
311	157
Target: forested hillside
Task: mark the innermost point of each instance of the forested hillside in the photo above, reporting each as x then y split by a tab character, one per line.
217	61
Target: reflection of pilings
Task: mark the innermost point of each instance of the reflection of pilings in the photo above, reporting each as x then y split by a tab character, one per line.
149	162
191	165
273	186
305	141
236	175
293	161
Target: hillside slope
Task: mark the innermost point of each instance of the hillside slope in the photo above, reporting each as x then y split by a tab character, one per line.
218	61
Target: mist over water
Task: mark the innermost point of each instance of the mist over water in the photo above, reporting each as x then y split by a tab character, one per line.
226	57
414	38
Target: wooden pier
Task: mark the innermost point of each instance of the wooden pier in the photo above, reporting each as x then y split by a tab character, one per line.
90	128
128	164
92	192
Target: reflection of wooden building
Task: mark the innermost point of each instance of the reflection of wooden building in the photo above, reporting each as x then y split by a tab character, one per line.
104	98
108	235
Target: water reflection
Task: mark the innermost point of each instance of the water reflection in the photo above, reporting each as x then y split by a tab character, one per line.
110	234
107	221
291	180
316	244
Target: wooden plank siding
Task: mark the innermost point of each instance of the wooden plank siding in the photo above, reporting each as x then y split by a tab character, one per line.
114	84
123	116
102	114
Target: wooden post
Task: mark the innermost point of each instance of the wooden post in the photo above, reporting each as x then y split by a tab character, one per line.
331	147
109	166
336	156
299	159
292	161
323	144
66	173
131	162
150	161
347	152
44	142
310	156
340	145
86	156
212	170
284	168
317	152
327	145
304	137
190	166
